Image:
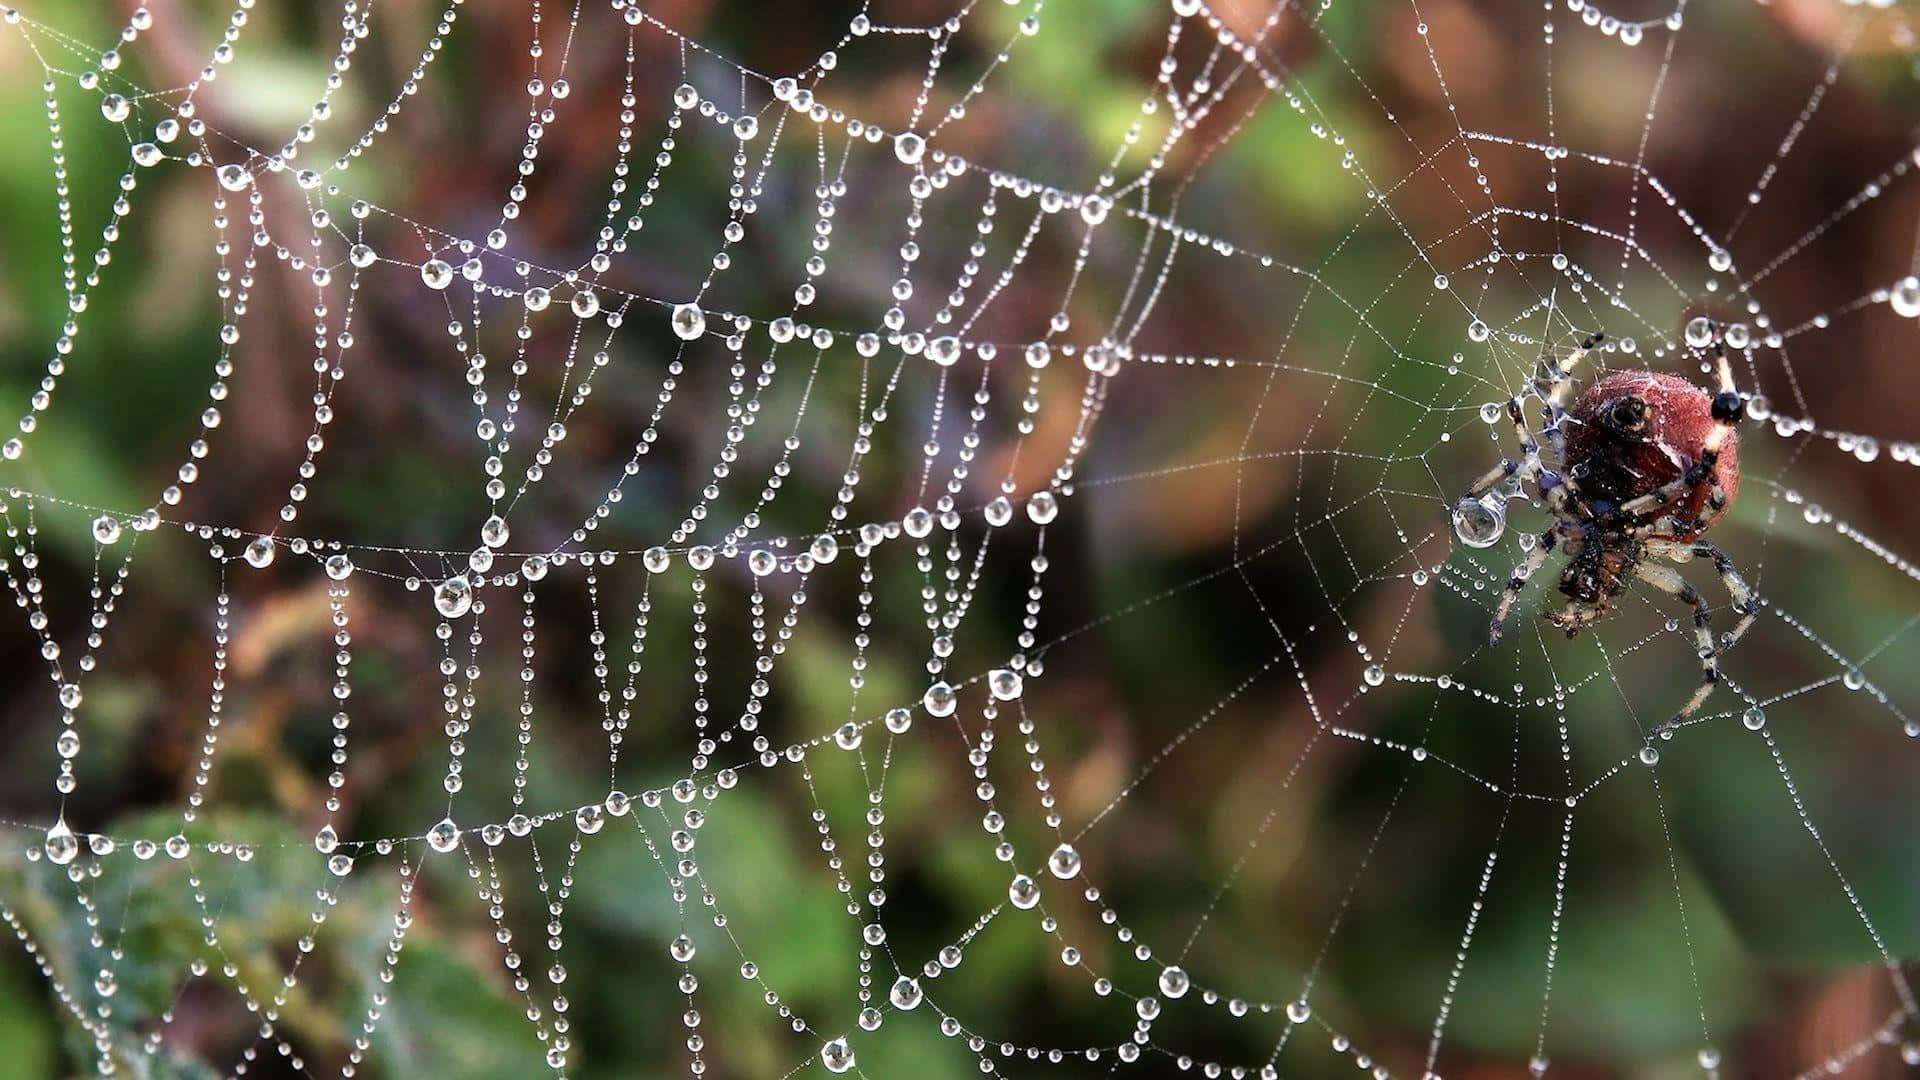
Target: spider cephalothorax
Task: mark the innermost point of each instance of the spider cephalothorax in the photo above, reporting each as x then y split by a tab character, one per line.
1642	466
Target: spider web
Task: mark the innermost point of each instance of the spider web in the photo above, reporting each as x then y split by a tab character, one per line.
708	549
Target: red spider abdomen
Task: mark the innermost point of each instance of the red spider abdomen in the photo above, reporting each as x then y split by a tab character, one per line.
1618	465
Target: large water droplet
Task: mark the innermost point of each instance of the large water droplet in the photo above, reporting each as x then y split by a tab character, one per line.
1024	892
339	567
115	108
689	322
909	147
233	177
437	273
106	528
940	700
494	531
837	1056
1905	297
444	836
1480	522
1699	331
1174	982
905	993
589	819
259	553
1004	684
61	845
453	597
1064	862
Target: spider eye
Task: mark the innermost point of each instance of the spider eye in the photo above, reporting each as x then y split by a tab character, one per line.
1629	414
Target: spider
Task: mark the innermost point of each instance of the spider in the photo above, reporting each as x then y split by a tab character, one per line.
1646	464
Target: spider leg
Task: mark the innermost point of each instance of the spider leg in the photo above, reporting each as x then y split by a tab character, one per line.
1521	573
1561	377
1669	581
1746	602
1559	382
1726	409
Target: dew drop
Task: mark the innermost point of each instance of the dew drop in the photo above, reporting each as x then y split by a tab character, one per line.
837	1056
233	177
1699	332
585	304
1480	522
61	845
106	528
339	567
905	994
909	147
1064	862
444	836
1023	892
1478	331
944	350
1004	684
437	273
453	597
590	818
1174	982
940	700
259	553
1905	297
689	322
494	531
115	108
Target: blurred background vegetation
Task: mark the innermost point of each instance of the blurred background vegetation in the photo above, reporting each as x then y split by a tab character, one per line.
1317	482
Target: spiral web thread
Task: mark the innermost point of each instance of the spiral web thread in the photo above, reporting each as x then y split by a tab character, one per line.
1376	435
